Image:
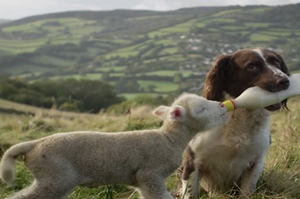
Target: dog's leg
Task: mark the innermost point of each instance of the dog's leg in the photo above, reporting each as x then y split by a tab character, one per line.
152	186
191	190
250	178
187	169
195	180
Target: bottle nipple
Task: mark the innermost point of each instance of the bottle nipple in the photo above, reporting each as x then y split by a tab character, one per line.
229	104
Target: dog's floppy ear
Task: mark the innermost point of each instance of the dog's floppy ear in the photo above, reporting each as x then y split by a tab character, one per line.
216	78
284	68
161	112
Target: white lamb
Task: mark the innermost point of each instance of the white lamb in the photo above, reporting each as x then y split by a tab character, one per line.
142	159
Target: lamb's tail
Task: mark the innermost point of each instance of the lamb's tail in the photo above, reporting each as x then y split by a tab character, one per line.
7	164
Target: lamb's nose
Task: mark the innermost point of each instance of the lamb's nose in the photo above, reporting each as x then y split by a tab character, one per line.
284	83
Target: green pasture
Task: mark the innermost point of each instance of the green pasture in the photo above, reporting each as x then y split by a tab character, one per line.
109	69
117	74
5	104
145	17
221	13
85	30
260	10
63	21
256	24
130	96
27	75
20	46
25	68
280	33
94	76
15	50
200	24
261	37
167	73
182	28
47	59
171	50
118	41
233	28
121	53
164	87
174	57
158	33
218	20
166	42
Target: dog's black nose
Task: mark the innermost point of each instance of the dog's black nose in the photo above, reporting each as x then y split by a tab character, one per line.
284	83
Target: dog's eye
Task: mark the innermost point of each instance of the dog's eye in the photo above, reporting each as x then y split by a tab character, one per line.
251	67
277	63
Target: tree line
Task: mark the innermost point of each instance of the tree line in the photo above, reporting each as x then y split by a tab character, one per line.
65	94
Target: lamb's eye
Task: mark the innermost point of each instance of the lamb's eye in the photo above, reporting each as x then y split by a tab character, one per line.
202	110
252	67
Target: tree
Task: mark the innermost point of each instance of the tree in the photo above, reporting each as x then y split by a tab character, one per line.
151	88
177	78
105	76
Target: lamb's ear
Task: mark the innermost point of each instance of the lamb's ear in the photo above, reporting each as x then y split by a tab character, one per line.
161	112
178	113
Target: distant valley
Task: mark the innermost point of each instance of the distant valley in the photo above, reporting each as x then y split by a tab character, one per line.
140	52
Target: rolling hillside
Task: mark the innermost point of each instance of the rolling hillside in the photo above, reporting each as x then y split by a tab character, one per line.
140	51
2	21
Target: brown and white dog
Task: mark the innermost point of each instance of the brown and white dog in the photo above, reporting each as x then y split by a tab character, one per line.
233	155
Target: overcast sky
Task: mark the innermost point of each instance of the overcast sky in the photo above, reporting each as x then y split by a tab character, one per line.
15	9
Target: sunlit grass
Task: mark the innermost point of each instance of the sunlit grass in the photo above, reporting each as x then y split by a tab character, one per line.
280	179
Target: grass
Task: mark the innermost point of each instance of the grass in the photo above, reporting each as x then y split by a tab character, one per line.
262	37
167	73
46	59
91	76
220	14
280	179
19	46
159	86
108	69
171	51
256	25
233	28
130	96
123	52
22	68
70	22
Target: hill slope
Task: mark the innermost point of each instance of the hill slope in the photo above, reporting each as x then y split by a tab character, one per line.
139	51
280	178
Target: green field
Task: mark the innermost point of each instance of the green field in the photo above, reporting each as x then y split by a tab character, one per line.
278	181
163	87
130	45
167	73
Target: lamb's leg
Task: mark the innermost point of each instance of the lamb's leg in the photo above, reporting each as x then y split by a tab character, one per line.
40	190
152	186
250	178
